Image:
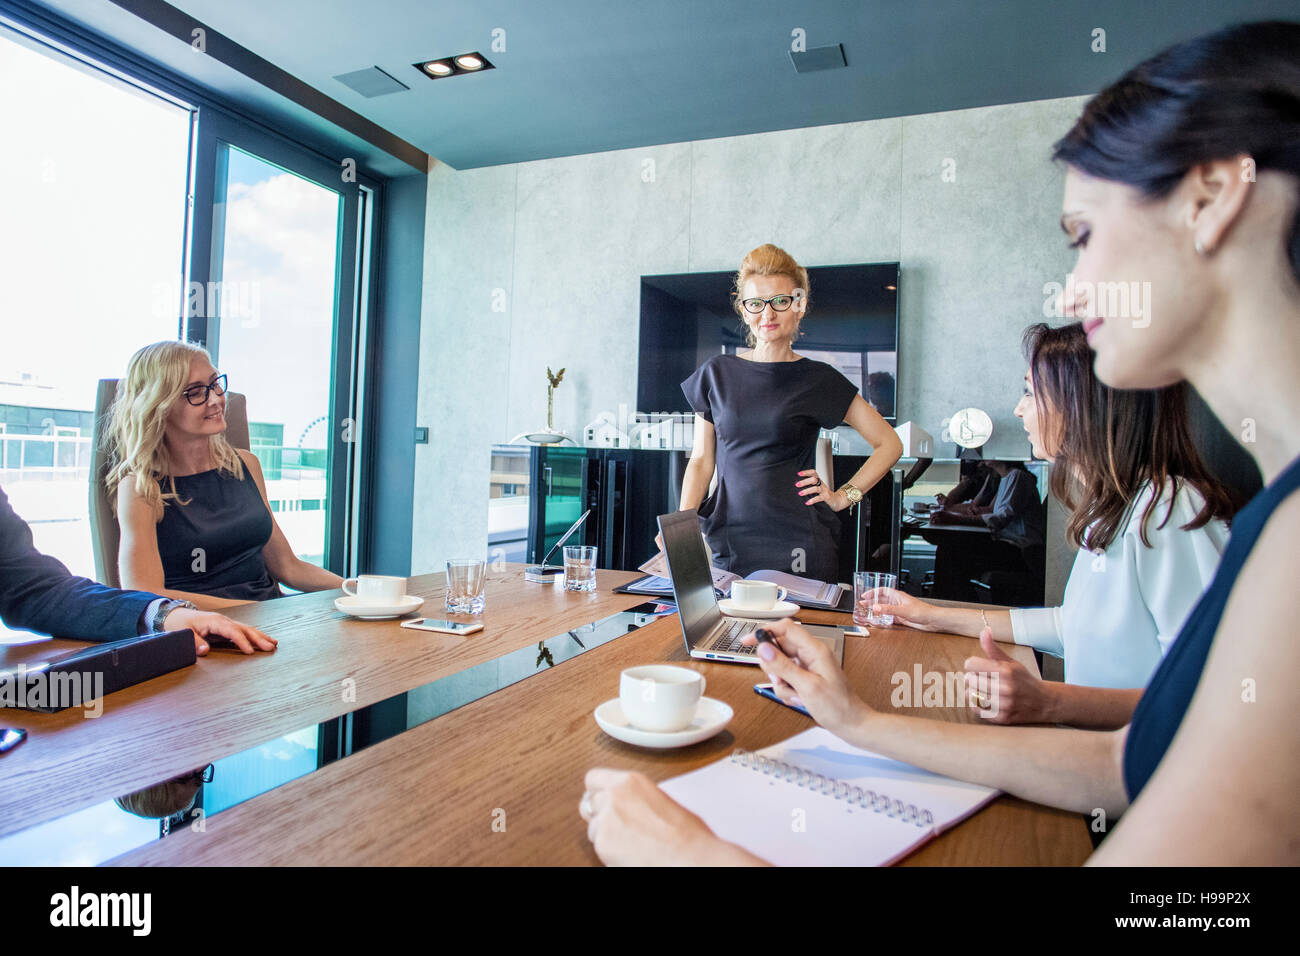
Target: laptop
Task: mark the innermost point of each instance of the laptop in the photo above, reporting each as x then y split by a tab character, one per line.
711	635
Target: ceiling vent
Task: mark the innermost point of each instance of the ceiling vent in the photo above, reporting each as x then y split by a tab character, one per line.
371	82
820	58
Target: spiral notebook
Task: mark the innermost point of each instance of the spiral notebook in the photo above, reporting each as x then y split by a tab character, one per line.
813	800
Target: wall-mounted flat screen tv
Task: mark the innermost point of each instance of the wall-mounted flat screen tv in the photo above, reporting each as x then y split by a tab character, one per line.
852	324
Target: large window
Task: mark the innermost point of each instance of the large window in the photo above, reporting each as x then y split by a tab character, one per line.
91	258
132	215
277	229
276	237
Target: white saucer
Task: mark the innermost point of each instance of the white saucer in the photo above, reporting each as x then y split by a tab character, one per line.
710	717
360	608
777	611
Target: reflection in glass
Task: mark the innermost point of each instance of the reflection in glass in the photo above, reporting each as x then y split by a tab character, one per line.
108	830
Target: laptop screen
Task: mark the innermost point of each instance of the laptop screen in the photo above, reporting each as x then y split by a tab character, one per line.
688	562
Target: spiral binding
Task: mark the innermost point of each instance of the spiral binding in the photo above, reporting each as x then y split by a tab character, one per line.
836	789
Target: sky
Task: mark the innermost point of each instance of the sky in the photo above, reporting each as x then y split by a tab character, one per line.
93	219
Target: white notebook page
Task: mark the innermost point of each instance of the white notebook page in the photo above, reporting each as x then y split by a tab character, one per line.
792	825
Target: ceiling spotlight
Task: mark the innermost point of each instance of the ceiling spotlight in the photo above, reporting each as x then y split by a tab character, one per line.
892	288
456	65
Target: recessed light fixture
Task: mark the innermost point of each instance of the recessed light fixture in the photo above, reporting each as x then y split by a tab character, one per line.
454	65
892	288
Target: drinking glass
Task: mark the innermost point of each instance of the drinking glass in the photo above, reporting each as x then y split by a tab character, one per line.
466	584
579	568
879	588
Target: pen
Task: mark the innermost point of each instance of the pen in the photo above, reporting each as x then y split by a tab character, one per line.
764	636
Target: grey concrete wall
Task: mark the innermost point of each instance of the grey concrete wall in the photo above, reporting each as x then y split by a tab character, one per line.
539	264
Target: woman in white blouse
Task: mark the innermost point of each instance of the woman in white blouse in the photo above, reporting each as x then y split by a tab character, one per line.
1150	524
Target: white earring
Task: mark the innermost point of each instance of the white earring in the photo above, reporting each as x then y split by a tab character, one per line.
1200	248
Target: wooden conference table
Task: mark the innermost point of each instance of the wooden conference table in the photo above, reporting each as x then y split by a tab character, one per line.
496	781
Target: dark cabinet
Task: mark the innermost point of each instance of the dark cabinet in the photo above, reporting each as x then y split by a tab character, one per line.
627	490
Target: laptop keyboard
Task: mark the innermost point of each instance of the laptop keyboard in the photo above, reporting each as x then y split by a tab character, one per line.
728	638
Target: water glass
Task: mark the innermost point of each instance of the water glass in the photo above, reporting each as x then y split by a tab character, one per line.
466	584
579	568
879	589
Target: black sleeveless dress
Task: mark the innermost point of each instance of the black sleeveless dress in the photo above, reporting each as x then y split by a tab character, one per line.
766	416
1169	694
213	544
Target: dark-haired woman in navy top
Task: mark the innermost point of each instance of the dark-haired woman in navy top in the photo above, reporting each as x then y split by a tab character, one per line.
1182	181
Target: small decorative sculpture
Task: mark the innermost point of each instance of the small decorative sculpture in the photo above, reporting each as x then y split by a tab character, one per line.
548	436
554	378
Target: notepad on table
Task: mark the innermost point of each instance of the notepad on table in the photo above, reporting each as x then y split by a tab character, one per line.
813	800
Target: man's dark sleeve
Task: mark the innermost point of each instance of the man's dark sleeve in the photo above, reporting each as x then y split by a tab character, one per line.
961	491
37	593
1017	497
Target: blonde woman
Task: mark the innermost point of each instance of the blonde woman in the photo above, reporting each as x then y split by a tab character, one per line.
196	523
757	415
1204	774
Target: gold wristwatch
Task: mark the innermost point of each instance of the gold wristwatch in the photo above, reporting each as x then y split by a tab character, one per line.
852	493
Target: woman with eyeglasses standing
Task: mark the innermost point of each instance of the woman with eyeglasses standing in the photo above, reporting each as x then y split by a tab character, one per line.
196	523
1182	177
757	416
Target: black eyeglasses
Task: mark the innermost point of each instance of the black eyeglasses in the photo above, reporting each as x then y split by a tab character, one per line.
198	394
202	775
779	303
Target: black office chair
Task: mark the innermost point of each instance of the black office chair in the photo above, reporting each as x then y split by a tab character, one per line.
1014	588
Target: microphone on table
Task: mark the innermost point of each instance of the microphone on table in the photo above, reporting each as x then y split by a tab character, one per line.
542	573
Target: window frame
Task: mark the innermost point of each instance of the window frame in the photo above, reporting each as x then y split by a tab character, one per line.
351	516
218	129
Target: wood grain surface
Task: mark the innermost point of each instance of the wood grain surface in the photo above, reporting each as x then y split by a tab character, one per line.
229	702
498	781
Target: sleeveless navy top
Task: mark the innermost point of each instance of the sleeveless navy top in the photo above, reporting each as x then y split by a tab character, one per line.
213	543
1169	694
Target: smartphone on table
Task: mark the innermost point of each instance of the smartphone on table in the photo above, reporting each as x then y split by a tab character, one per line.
765	690
442	627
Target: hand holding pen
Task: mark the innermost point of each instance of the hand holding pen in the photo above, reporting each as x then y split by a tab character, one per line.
804	672
763	636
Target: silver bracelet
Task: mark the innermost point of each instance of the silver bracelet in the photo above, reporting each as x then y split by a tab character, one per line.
985	619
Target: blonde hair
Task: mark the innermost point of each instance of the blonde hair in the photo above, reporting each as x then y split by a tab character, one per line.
162	799
137	423
770	260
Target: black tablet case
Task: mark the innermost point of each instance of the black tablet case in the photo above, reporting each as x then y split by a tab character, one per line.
123	663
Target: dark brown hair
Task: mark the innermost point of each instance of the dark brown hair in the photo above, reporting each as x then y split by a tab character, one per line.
1224	94
1105	443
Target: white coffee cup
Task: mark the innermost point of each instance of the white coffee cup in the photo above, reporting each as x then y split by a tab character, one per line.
659	697
756	595
376	588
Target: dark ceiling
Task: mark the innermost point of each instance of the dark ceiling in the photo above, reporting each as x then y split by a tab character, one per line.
581	76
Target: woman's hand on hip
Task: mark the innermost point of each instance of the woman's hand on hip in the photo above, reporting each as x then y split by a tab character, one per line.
812	489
